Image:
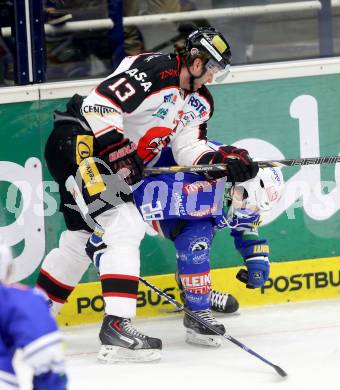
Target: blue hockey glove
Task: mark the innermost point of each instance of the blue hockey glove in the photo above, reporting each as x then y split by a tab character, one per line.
50	381
95	245
258	271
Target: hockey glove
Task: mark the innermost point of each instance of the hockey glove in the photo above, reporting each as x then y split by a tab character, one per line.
95	245
257	272
50	381
122	157
240	167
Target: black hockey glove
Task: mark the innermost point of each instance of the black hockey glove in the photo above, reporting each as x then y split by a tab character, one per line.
123	159
240	166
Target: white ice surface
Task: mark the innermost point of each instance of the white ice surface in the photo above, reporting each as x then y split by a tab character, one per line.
302	338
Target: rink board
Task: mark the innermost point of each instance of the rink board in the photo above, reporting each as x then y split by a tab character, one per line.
289	282
283	110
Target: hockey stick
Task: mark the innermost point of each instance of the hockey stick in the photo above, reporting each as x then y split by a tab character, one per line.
197	318
262	164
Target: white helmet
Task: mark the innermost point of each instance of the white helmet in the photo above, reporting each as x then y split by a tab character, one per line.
260	193
5	261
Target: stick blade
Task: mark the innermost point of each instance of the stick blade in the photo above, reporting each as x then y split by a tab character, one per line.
280	371
170	310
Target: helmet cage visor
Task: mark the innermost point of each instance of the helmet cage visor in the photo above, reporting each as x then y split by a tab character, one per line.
220	73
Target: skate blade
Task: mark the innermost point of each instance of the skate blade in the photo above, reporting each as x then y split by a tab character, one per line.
202	339
115	354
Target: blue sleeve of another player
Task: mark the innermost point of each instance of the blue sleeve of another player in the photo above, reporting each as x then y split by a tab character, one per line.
50	381
35	331
8	379
31	318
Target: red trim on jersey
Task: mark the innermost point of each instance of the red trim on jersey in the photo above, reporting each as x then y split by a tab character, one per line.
117	276
56	281
120	295
104	129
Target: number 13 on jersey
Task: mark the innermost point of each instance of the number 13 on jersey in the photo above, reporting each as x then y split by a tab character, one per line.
122	89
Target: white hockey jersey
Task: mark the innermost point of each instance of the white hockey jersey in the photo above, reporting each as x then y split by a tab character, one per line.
142	100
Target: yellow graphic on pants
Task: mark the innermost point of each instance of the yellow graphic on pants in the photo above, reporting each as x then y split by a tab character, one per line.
92	178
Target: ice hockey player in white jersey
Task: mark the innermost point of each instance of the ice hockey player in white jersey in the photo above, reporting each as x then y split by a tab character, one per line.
26	324
149	101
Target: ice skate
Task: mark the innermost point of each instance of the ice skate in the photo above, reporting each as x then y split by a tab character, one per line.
199	334
121	342
223	302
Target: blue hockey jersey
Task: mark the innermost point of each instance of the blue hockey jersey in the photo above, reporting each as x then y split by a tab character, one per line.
180	195
167	197
26	324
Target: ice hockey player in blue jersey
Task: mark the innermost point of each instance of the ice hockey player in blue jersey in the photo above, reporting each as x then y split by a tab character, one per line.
188	209
26	324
